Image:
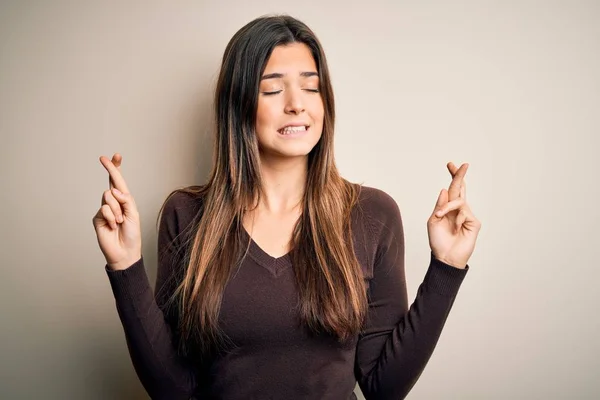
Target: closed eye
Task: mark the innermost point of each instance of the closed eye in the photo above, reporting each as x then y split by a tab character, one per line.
279	91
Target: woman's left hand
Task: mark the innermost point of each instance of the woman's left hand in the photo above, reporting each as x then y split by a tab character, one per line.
452	227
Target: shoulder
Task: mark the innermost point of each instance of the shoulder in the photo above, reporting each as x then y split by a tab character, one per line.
184	199
373	197
181	208
379	207
382	217
377	226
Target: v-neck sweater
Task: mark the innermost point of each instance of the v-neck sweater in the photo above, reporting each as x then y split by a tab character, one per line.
273	357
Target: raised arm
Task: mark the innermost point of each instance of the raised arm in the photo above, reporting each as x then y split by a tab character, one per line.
398	342
149	335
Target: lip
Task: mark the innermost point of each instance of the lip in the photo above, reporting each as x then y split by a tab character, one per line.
294	134
293	124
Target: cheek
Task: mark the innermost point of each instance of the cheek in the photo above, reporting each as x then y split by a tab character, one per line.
260	117
319	111
265	115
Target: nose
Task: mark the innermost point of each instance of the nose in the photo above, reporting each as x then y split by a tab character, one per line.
293	102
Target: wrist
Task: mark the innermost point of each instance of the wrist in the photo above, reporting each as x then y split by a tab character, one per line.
124	264
450	262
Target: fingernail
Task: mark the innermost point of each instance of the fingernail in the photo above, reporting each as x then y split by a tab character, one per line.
439	213
117	191
120	219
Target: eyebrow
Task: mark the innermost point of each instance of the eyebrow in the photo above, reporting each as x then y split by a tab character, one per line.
277	75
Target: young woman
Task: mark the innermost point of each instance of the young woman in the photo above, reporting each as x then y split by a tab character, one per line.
279	279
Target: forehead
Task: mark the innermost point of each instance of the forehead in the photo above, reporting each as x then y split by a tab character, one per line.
291	59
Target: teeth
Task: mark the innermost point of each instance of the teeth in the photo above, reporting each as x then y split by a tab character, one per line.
290	129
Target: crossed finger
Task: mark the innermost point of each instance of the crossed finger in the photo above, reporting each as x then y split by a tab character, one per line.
458	186
463	187
116	179
116	160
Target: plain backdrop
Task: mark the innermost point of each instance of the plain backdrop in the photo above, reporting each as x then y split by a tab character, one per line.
512	87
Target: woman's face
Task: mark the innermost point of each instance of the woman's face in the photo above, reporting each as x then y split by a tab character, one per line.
290	112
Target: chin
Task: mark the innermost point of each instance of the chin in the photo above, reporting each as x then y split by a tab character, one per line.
295	148
292	153
291	150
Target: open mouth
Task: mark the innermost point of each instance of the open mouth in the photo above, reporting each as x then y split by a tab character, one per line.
293	130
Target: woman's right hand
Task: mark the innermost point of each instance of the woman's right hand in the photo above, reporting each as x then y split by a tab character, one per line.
117	222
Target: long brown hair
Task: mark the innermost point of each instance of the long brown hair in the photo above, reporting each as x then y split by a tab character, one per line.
332	292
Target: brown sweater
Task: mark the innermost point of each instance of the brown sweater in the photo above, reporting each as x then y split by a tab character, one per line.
273	358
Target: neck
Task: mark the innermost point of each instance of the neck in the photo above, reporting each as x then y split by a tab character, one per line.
284	180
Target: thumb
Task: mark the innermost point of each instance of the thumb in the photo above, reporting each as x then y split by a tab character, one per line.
126	201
